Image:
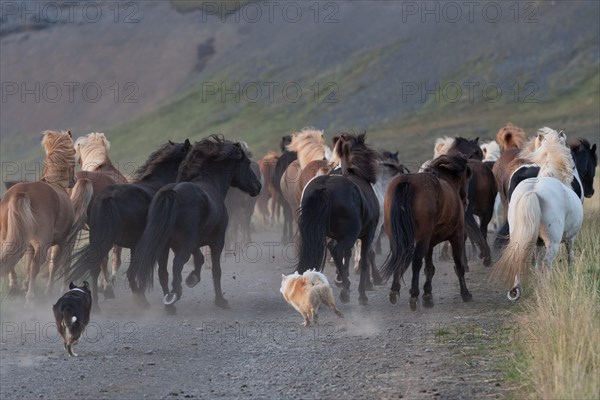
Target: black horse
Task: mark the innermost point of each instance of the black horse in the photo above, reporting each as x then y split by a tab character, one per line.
119	213
343	208
190	214
586	160
287	157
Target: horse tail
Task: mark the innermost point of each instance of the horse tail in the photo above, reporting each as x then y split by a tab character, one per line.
159	228
20	222
525	229
473	232
80	199
313	221
402	231
103	222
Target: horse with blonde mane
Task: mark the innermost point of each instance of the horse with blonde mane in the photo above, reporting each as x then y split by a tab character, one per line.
39	219
544	207
269	193
97	168
311	150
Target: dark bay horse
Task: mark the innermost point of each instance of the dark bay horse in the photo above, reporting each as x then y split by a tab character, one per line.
287	157
422	210
343	208
189	214
240	207
120	211
96	166
39	219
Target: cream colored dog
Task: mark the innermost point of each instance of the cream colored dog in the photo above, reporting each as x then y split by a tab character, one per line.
306	292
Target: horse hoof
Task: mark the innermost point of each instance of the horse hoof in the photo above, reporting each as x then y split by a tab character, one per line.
363	300
170	309
170	298
413	303
428	301
514	294
344	296
222	303
466	297
394	296
487	261
109	293
338	282
192	280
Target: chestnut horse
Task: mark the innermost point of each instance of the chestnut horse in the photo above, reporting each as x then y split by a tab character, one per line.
422	210
270	211
92	153
36	217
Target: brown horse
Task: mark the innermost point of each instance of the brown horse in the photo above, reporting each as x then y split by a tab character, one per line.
36	217
269	192
511	137
92	153
422	210
309	145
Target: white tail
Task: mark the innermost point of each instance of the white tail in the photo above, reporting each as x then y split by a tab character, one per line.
525	216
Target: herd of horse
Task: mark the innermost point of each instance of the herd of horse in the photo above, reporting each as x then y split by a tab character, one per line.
341	198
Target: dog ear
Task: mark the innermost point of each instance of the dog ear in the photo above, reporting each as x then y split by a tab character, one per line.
86	285
72	285
283	277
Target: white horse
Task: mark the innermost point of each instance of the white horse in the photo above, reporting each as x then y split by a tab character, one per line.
491	153
545	208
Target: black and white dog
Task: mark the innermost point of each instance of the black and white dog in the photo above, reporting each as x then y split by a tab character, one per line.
72	314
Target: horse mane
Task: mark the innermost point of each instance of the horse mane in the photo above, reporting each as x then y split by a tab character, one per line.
553	156
491	150
455	164
271	156
92	151
511	136
443	146
161	155
357	158
309	145
212	149
60	156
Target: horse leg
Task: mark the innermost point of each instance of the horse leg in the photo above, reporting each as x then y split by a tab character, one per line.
378	241
457	249
34	268
163	272
485	252
194	277
429	272
54	252
108	290
464	258
339	251
365	267
116	263
357	255
215	256
139	296
181	257
570	255
417	261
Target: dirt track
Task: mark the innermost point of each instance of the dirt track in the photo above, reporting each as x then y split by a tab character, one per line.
257	349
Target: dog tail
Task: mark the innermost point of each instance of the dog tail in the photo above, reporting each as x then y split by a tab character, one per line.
159	228
20	223
313	222
400	226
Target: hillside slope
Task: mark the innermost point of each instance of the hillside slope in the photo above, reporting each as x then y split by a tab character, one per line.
376	67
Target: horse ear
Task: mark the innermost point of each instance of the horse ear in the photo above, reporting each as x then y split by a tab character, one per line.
593	148
562	134
70	135
170	142
335	140
86	284
72	285
187	143
476	140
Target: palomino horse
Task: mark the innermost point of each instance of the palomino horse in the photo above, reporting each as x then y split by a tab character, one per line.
311	149
92	152
343	208
270	211
39	216
422	210
187	215
287	157
544	207
120	211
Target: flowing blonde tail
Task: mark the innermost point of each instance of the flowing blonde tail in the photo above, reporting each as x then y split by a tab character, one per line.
524	231
20	223
80	199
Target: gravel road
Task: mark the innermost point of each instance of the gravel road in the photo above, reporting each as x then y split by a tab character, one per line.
257	348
